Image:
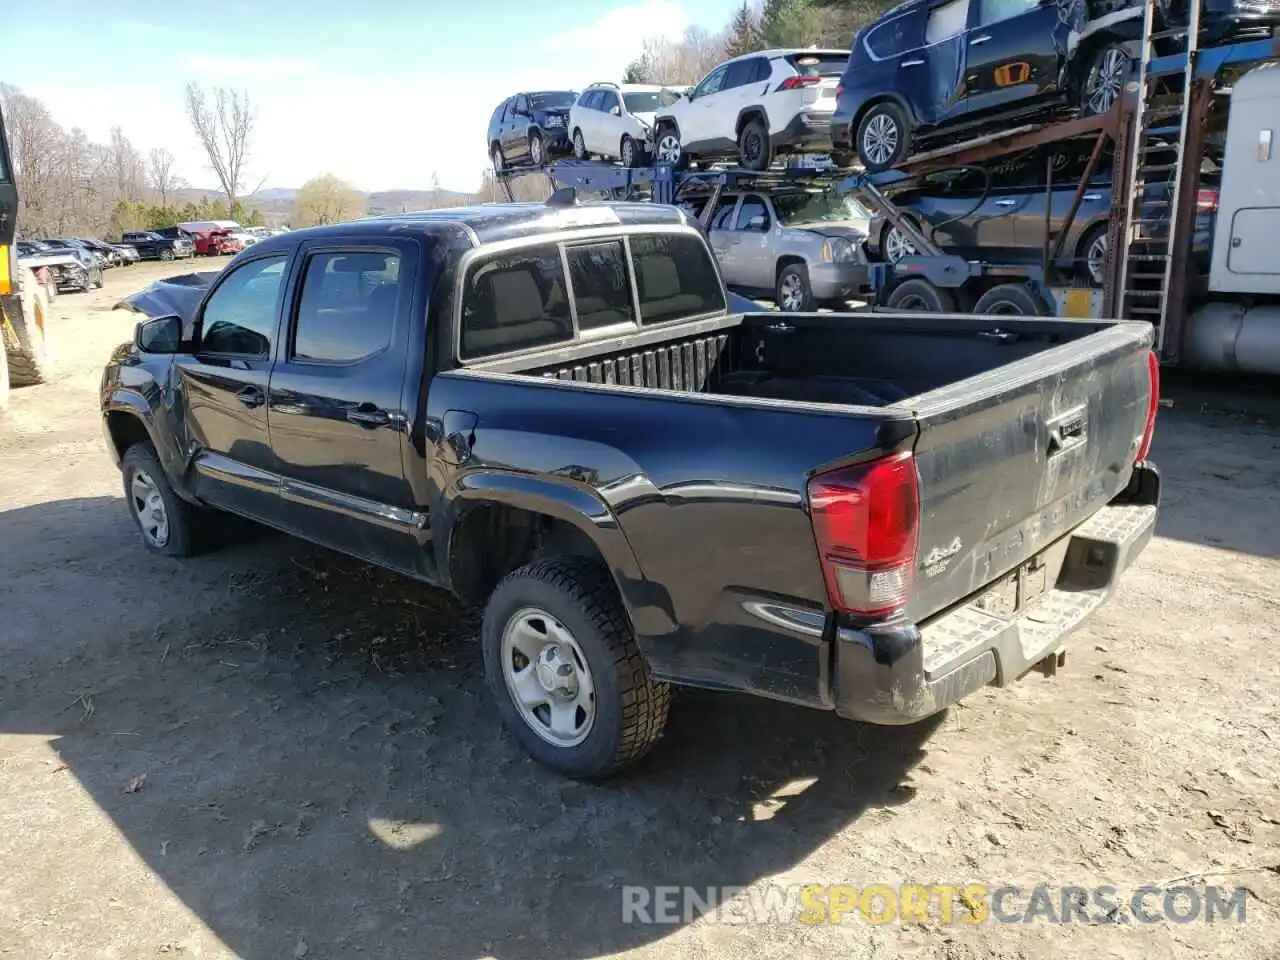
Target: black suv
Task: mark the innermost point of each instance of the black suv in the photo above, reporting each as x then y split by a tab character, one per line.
932	66
530	127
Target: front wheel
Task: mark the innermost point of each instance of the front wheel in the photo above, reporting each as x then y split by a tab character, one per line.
628	153
884	137
1094	254
166	254
499	161
166	521
565	672
894	244
1104	82
668	149
580	146
792	292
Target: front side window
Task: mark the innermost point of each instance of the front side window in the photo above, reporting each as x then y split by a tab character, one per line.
348	306
676	277
515	301
724	213
994	11
601	286
753	209
649	101
712	84
240	316
608	101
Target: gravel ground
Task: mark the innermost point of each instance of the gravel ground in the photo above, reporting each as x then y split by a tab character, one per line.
274	752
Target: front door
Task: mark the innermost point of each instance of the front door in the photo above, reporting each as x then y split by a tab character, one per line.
337	408
697	119
1014	52
753	248
515	130
723	237
224	388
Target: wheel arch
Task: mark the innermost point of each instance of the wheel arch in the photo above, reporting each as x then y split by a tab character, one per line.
784	261
1127	33
667	121
754	111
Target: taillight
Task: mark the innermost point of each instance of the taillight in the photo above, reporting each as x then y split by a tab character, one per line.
865	521
839	89
795	83
1153	372
1206	200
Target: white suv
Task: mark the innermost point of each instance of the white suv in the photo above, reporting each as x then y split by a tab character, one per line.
755	107
617	121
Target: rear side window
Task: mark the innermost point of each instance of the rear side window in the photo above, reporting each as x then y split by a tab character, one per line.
890	39
601	287
676	277
348	306
515	302
746	71
608	100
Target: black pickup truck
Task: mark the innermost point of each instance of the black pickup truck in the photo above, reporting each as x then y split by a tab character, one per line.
549	410
152	246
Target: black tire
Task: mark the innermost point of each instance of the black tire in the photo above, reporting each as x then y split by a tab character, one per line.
166	254
666	136
630	706
537	149
920	296
499	160
886	119
636	157
99	279
1103	83
182	519
28	354
1009	300
755	151
579	147
887	230
792	292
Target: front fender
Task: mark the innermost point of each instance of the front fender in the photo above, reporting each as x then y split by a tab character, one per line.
648	605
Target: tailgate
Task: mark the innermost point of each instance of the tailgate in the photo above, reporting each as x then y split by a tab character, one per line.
1012	460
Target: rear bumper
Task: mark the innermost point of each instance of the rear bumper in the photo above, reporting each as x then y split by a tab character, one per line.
901	674
806	132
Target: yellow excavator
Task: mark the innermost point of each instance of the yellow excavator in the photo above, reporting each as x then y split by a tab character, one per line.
24	309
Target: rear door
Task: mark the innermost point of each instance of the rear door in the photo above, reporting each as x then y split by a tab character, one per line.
1014	51
1012	460
608	123
337	410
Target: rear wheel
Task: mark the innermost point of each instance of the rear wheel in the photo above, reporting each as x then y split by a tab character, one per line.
499	161
1094	250
920	296
537	153
754	149
884	137
792	292
1009	300
628	153
565	672
166	254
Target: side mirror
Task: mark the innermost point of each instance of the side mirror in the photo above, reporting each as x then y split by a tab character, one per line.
615	111
159	335
758	223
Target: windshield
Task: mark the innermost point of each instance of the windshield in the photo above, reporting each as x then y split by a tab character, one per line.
651	101
817	208
555	100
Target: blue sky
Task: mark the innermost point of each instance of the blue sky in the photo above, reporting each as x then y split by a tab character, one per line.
380	92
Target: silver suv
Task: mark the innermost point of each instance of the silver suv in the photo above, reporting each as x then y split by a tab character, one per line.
803	249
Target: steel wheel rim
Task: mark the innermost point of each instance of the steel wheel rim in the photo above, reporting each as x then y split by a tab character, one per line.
880	139
627	152
913	301
579	146
896	246
1097	258
669	148
535	150
1108	81
547	678
149	509
791	294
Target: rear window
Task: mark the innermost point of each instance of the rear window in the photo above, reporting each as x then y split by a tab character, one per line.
515	302
600	283
553	100
819	65
650	102
676	277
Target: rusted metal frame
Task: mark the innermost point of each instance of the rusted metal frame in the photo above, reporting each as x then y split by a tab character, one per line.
1121	197
1180	244
1091	168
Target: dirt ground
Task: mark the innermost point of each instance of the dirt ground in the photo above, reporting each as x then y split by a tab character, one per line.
273	752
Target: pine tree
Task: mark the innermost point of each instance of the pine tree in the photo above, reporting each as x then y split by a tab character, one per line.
789	23
637	70
744	33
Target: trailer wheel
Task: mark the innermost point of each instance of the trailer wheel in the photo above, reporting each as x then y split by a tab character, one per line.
918	295
1009	300
563	666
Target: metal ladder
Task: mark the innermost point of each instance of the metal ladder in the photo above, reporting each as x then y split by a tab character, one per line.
1155	168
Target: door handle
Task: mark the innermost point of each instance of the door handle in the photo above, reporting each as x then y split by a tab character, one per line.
1092	196
977	40
910	63
1006	203
367	415
251	396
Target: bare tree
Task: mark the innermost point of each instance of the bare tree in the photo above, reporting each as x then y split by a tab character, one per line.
223	129
160	174
125	166
326	199
684	61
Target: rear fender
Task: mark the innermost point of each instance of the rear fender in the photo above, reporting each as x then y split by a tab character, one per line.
648	605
